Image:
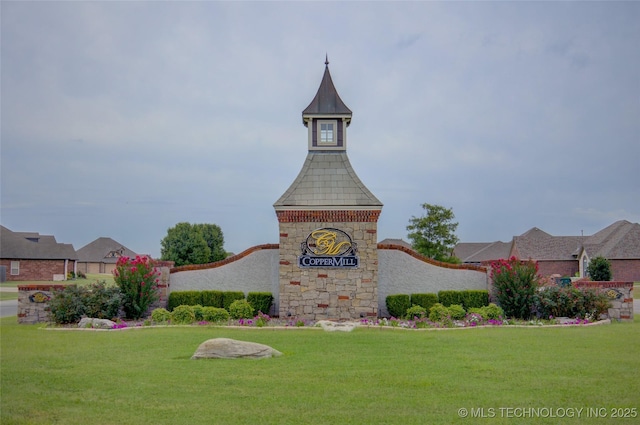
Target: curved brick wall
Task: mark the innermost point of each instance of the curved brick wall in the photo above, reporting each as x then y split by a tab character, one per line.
403	271
400	271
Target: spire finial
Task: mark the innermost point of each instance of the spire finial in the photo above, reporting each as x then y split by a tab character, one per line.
326	60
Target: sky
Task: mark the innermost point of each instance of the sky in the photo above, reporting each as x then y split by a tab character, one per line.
122	119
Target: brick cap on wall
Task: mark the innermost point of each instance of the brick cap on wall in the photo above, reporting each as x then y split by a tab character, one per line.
226	260
428	260
608	284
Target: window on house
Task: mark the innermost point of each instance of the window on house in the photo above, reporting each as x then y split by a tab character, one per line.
327	133
15	268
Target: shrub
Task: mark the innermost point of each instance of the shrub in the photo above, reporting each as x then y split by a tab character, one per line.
211	298
228	297
160	315
260	301
447	298
137	280
416	311
214	314
515	283
424	300
571	302
474	298
240	309
67	305
456	312
599	269
439	313
101	301
398	304
183	314
493	312
198	312
183	298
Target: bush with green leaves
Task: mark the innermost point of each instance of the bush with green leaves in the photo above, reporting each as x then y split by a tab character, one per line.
198	312
228	297
439	313
215	314
260	301
138	280
211	298
416	311
515	284
67	305
457	312
398	304
424	300
241	309
183	314
446	298
488	312
599	269
183	298
555	301
474	298
160	315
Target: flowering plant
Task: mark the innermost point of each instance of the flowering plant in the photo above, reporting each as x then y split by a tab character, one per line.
138	281
515	284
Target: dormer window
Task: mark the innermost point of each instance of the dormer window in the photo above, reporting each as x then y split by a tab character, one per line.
327	133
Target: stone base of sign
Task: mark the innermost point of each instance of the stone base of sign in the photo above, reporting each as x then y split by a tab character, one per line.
620	295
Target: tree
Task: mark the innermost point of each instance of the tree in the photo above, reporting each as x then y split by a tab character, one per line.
433	234
599	269
187	243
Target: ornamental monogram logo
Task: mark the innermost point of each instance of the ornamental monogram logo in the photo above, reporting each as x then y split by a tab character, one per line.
328	248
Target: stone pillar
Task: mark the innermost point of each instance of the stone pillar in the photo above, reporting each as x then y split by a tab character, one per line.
335	293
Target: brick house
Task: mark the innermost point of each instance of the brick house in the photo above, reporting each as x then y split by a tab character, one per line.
101	255
26	256
566	255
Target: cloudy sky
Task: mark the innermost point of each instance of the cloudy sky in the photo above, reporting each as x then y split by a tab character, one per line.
121	119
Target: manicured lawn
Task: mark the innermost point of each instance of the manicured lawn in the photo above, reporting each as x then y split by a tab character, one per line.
91	278
369	376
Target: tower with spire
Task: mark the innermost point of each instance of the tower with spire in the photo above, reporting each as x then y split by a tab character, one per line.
328	223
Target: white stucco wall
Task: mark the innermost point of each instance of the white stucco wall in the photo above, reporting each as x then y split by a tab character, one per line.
401	273
257	272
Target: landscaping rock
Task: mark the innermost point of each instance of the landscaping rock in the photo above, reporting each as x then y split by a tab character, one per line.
88	322
226	348
330	326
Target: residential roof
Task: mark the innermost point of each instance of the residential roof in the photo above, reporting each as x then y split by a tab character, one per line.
327	101
620	240
477	252
327	179
103	250
33	246
401	242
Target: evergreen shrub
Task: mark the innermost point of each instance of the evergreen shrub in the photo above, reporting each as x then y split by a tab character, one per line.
439	313
160	315
474	298
260	301
240	309
183	314
228	297
424	300
214	314
183	298
398	304
456	312
416	311
447	298
211	299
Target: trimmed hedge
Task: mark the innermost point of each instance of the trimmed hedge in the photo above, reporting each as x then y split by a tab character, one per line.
183	298
447	298
260	301
398	304
475	298
424	300
212	298
229	297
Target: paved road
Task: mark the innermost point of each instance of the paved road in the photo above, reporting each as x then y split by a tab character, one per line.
8	308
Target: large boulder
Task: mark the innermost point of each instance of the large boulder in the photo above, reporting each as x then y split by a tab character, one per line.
226	348
88	322
330	326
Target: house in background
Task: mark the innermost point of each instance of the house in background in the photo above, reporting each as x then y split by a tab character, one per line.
566	255
26	256
101	256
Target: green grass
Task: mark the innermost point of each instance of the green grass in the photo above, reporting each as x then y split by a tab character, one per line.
6	296
91	278
368	376
636	291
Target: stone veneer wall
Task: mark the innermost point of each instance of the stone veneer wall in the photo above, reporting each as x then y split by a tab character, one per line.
32	302
328	293
404	271
620	293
